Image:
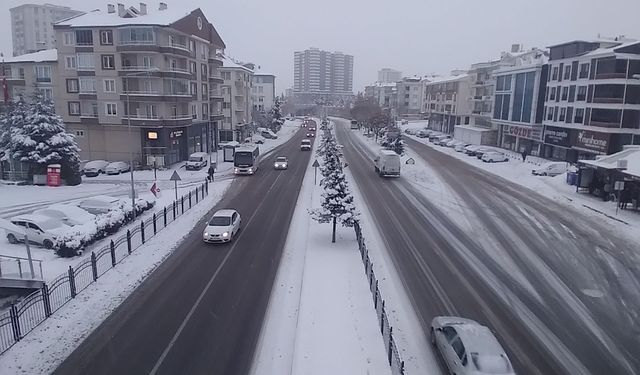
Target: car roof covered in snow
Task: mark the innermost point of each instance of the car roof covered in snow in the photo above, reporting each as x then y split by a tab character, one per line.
387	152
224	213
102	198
478	338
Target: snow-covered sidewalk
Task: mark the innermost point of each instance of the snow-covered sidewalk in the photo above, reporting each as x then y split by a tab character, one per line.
321	318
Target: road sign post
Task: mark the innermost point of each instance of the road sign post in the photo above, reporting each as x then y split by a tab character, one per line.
315	171
175	178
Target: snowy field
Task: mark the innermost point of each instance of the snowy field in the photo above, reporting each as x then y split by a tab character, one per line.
554	188
320	318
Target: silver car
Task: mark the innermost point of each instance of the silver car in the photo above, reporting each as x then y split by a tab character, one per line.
469	348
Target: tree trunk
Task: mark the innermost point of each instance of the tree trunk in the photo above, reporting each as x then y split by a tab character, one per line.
333	236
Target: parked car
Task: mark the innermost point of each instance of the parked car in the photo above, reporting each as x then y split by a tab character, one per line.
405	122
443	140
95	167
481	151
305	145
423	133
550	169
68	214
197	161
468	348
117	167
460	147
40	229
99	204
222	227
268	134
452	143
494	156
471	150
281	162
433	137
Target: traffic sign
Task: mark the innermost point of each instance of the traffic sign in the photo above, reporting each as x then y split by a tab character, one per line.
175	176
154	190
316	164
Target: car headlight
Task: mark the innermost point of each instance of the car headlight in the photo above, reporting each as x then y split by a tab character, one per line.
225	234
250	169
206	234
236	169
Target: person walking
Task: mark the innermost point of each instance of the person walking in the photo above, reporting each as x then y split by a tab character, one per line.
524	155
210	172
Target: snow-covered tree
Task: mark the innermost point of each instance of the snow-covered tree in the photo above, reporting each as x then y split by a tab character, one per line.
395	144
276	117
12	122
42	140
337	202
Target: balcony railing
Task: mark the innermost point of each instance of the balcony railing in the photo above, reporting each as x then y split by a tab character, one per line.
608	100
178	70
10	76
610	75
181	46
180	117
87	91
178	93
43	79
141	116
139	68
142	93
137	42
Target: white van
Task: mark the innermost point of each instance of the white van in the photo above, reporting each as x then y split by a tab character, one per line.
387	163
197	160
550	169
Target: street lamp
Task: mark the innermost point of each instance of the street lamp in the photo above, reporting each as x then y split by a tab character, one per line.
126	79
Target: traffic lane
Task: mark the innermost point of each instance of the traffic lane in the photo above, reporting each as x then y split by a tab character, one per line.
145	322
425	256
225	329
589	270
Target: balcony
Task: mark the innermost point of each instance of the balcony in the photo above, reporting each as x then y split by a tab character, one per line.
42	79
216	60
142	93
133	68
176	49
214	78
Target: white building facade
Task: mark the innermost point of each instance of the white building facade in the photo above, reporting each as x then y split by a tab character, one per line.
388	75
237	103
263	92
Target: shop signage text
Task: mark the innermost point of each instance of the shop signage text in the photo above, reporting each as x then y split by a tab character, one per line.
529	132
176	134
556	136
594	141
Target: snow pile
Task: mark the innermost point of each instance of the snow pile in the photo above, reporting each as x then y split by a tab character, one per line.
74	240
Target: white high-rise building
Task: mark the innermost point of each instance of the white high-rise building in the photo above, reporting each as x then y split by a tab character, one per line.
318	73
387	75
32	26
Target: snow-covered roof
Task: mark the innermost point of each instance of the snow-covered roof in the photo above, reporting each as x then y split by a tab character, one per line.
101	18
631	154
610	49
447	79
40	56
228	62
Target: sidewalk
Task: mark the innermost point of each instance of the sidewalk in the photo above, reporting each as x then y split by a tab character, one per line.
320	318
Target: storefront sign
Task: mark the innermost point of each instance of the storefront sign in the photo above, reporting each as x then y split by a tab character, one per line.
176	134
518	131
556	136
592	141
152	135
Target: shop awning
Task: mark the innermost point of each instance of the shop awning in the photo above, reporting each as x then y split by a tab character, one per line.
631	154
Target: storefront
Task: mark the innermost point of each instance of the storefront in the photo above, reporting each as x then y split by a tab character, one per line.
167	145
557	144
521	137
588	143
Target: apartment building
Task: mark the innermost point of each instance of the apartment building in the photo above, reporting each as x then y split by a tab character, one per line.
236	92
446	103
32	26
410	96
147	83
320	74
385	94
592	102
519	106
388	75
263	92
26	72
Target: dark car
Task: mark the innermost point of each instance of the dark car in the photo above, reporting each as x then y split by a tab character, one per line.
311	135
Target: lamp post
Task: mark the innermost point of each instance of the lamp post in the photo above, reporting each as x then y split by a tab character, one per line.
133	190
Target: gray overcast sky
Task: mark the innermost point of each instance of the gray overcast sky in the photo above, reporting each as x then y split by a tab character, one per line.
414	36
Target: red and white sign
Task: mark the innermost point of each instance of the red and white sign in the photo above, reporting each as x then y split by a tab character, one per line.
154	190
528	132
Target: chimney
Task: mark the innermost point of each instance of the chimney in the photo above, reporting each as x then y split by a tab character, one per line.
143	9
120	9
111	8
515	48
163	6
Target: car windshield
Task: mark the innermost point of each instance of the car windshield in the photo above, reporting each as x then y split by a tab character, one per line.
220	221
195	158
281	159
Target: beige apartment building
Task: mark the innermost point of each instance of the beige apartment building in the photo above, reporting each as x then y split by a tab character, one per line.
147	82
26	72
446	101
236	99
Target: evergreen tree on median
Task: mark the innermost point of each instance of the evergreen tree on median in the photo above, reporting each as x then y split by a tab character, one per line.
276	117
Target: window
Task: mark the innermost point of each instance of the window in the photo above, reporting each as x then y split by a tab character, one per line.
205	92
87	85
567	72
85	61
43	73
579	117
70	62
203	72
106	37
136	35
205	111
194	111
84	37
111	109
193	67
550	114
582	94
554	74
449	333
109	85
192	46
74	108
260	89
193	89
226	76
458	347
69	38
47	93
108	62
552	95
565	93
584	71
72	85
204	52
79	133
563	113
147	61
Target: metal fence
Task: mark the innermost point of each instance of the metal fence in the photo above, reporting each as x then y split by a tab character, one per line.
23	317
393	356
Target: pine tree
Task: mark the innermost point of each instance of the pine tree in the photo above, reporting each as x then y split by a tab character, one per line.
276	117
395	144
337	201
12	122
42	140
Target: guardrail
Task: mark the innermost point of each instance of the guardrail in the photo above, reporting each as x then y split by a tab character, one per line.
23	317
393	355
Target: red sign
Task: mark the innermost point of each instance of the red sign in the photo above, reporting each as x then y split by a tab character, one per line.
518	131
154	190
53	175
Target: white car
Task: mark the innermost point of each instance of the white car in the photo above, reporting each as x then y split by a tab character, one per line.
117	167
452	143
281	162
461	147
469	348
40	229
443	141
494	156
66	213
550	169
471	149
95	167
222	227
100	204
305	145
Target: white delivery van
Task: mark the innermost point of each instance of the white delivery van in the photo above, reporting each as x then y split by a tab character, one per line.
197	161
387	163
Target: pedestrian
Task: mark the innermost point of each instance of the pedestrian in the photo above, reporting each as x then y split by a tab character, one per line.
524	155
210	173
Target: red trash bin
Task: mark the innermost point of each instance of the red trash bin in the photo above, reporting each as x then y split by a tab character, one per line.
53	175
